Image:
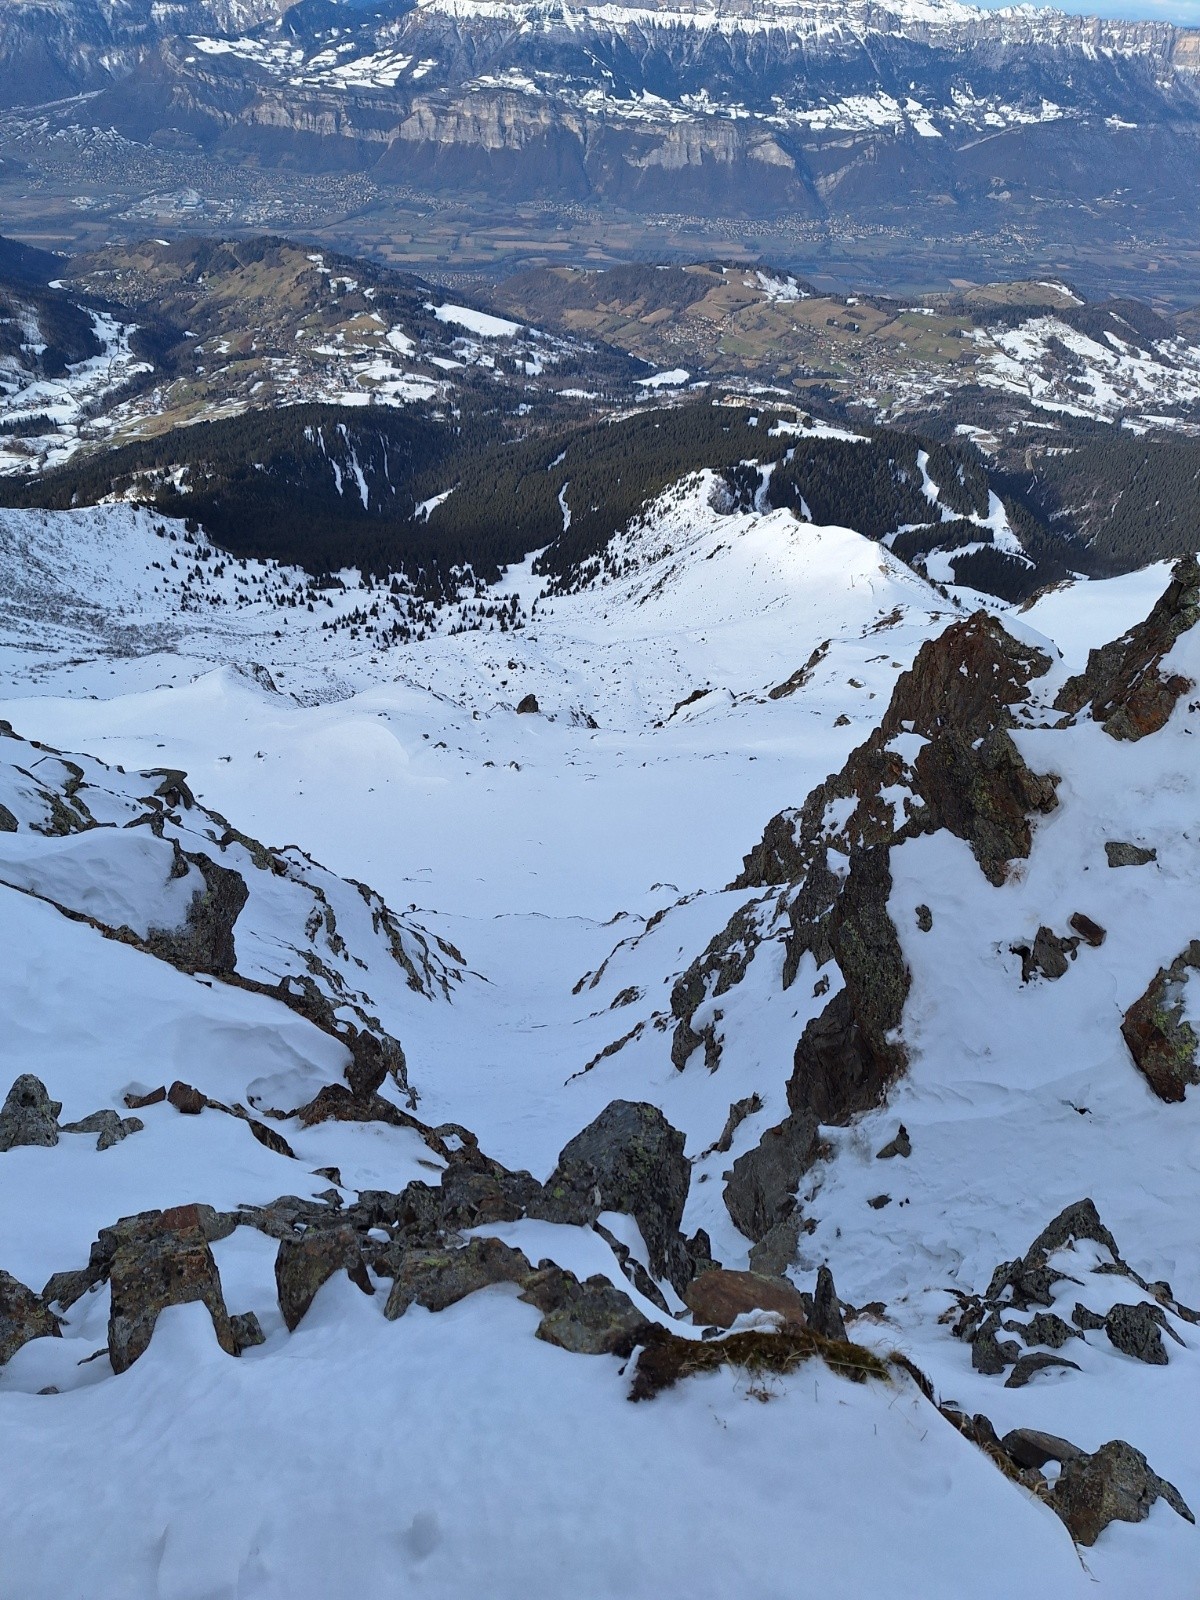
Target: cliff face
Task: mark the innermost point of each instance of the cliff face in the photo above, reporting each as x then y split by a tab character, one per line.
739	108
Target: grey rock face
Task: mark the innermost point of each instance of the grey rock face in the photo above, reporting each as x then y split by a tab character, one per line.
23	1316
29	1116
589	1317
628	1159
1137	1331
162	1259
1114	1484
304	1263
761	1187
826	1316
109	1127
436	1279
1122	854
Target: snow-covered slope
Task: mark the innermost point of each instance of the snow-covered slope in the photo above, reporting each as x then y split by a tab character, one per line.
573	867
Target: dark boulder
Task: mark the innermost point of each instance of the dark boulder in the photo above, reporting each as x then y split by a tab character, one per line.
761	1185
1029	1447
591	1317
1114	1484
717	1298
306	1262
436	1279
107	1125
162	1260
1136	1330
826	1316
1120	853
628	1159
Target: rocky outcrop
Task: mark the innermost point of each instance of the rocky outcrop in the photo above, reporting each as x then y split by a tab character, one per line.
942	757
1161	1041
205	942
826	1315
761	1185
1031	1281
1124	686
29	1116
162	1260
108	1126
436	1279
1113	1484
305	1262
23	1316
588	1318
628	1159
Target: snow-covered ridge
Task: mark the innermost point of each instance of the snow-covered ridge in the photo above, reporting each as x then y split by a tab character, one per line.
727	663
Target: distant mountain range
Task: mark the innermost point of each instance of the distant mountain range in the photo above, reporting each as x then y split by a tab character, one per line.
780	108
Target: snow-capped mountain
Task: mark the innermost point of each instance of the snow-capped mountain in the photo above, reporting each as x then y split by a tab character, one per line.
790	1028
803	110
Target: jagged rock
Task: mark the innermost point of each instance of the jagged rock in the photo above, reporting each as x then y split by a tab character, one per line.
1122	683
590	1318
1044	1328
374	1057
1120	853
471	1197
1087	1321
718	1298
1090	932
23	1316
826	1316
761	1185
205	942
776	1250
186	1099
267	1136
436	1279
162	1260
1114	1484
924	918
138	1102
901	1145
29	1116
989	1354
1030	1278
1029	1447
65	1288
528	705
748	1106
628	1159
1164	1046
1136	1331
878	1201
247	1330
304	1263
1046	957
1036	1361
108	1125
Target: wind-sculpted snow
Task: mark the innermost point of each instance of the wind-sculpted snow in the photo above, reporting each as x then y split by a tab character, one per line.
442	1311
